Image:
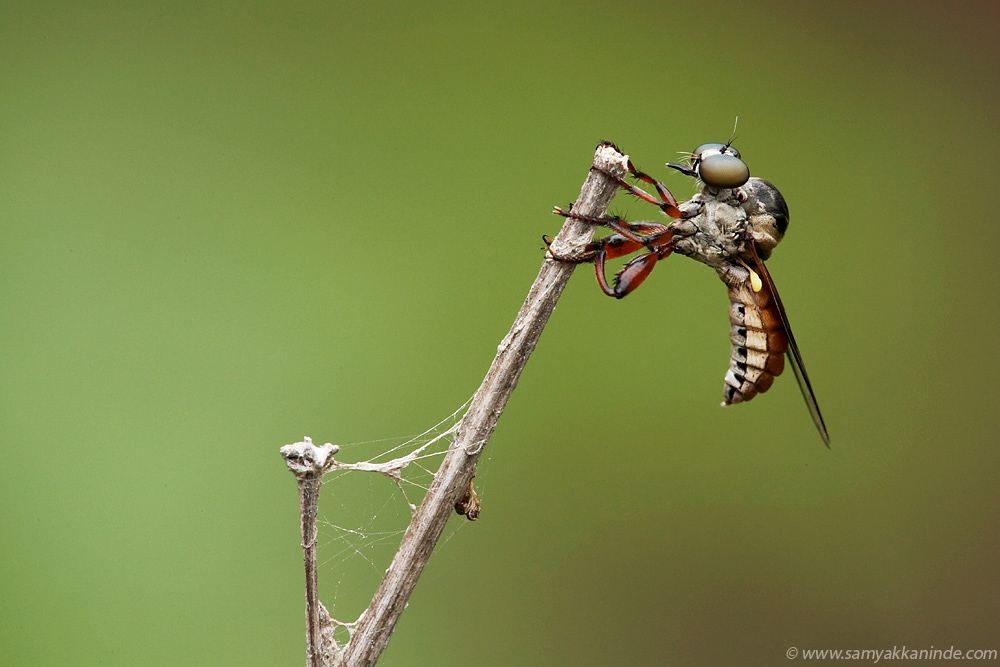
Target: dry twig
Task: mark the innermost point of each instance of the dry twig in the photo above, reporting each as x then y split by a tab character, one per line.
452	483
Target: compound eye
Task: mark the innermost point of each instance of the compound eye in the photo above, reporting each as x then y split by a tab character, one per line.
723	171
696	153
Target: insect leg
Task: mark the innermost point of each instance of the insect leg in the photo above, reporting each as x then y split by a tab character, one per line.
629	237
617	245
595	252
633	273
616	224
661	189
668	205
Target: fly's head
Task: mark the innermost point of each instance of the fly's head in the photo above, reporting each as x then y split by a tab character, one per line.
718	166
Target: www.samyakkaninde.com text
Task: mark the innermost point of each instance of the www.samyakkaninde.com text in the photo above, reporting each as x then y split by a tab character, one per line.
894	653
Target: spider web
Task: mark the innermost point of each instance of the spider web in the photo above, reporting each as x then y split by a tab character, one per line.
362	517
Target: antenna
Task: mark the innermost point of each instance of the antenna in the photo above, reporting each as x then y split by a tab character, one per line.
732	137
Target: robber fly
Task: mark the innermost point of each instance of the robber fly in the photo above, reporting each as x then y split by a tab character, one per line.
732	225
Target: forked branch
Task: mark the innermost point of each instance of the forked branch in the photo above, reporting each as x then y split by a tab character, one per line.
371	633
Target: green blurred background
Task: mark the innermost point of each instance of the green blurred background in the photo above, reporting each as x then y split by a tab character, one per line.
224	226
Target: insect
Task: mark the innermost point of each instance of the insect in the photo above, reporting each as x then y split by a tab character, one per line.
732	225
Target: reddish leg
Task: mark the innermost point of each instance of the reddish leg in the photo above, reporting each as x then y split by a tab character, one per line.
633	273
627	238
616	224
667	203
653	236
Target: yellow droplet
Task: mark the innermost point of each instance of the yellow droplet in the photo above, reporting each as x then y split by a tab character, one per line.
755	282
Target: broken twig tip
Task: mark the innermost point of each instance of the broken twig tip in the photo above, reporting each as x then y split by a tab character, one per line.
306	459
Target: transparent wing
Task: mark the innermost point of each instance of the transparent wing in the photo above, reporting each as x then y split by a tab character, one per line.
794	356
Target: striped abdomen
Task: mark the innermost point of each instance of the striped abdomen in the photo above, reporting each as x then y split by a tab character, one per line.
759	342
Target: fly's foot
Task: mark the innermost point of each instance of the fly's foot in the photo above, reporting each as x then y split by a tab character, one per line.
547	240
608	143
587	256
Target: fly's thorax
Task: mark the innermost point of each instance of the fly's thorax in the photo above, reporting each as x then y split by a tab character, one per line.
714	229
767	215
